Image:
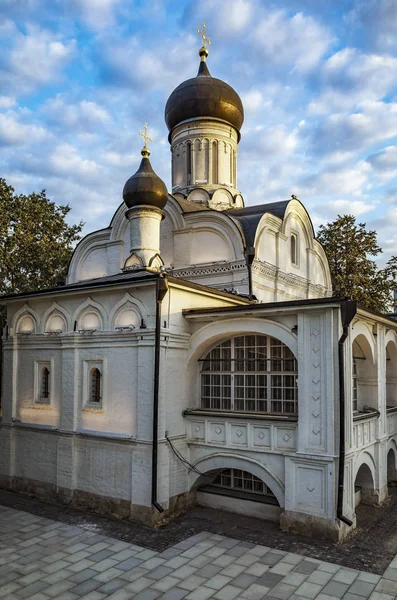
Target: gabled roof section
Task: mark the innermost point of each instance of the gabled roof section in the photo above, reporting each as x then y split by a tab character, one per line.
249	217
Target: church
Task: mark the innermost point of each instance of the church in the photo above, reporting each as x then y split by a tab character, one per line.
196	354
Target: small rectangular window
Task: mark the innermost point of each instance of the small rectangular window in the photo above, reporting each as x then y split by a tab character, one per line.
94	384
43	382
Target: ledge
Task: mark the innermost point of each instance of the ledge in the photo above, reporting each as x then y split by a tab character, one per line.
79	433
196	412
364	416
241	495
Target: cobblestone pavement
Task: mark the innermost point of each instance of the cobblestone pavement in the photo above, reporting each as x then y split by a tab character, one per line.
42	559
371	548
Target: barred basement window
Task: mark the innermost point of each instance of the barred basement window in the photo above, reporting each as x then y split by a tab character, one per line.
235	479
252	373
95	396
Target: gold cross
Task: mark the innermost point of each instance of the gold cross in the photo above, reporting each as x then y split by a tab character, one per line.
206	40
145	135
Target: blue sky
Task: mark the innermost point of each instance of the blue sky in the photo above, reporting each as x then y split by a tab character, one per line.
318	80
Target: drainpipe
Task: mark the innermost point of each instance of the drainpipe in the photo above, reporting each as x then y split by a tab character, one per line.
348	311
161	290
250	255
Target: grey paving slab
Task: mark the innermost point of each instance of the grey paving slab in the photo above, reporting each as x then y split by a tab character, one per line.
42	560
174	594
362	588
244	581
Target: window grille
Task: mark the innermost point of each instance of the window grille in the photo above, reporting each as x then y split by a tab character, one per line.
253	373
235	479
95	386
45	384
355	386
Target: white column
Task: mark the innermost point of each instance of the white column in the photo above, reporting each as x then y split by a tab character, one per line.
144	237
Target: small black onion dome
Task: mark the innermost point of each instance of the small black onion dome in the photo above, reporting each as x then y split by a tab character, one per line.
145	187
204	96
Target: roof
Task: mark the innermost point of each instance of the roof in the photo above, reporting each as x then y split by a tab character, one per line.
188	206
125	278
204	96
266	305
133	276
250	216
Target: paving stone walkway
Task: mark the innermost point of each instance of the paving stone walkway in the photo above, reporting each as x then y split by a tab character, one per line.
42	559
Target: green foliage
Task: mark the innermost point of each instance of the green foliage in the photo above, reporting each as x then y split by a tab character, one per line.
349	248
36	243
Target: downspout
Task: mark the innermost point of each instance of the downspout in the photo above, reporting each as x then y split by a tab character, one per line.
250	255
161	290
348	311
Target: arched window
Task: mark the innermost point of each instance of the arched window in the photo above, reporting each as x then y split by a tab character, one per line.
45	385
355	386
235	479
189	162
294	249
252	373
214	162
96	381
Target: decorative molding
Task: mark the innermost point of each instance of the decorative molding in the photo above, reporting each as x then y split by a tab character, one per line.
209	269
272	272
316	437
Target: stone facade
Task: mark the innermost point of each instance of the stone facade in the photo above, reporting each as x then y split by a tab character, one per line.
87	364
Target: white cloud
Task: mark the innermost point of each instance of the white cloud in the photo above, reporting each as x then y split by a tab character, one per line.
277	141
35	58
300	41
83	115
349	78
252	100
65	160
384	163
97	14
347	181
377	20
129	62
15	133
343	132
355	207
6	102
386	159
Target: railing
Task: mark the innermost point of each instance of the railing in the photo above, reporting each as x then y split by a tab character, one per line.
392	420
364	429
252	432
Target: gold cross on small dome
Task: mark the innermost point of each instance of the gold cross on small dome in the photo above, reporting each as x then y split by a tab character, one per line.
206	40
145	135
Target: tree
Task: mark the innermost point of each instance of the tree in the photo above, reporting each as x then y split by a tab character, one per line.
36	243
349	248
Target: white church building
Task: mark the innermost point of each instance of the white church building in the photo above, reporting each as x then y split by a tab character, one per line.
196	354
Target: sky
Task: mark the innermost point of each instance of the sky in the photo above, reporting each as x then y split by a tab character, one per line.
318	80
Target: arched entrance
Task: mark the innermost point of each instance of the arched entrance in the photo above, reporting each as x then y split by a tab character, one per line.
364	486
238	484
391	468
238	491
364	376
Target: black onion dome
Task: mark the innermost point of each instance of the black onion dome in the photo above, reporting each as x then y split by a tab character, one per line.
145	187
204	96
